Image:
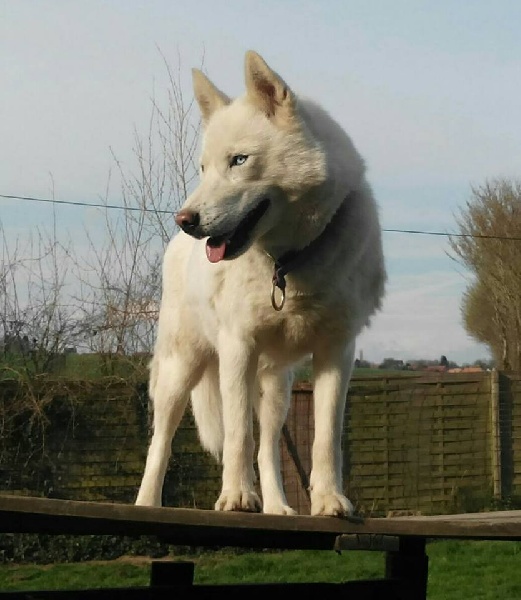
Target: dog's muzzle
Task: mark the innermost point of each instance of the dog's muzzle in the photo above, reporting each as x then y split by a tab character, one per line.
226	245
189	221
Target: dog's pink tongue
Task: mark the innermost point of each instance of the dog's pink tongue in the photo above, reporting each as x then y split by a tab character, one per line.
215	253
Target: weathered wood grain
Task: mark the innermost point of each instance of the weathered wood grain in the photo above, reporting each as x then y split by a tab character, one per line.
20	514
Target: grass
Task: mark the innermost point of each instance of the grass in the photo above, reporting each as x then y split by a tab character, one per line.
75	366
93	366
477	570
458	570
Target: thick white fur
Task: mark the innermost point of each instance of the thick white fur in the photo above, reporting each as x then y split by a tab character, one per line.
219	340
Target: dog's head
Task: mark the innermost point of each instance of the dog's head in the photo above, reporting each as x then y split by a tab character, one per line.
258	158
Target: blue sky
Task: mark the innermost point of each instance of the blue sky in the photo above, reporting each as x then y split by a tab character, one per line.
429	92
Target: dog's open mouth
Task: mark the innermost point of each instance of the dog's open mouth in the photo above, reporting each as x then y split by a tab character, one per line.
229	245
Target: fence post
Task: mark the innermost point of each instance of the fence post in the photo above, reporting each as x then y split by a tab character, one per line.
495	434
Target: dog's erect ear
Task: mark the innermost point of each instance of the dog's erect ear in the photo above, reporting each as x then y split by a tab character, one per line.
207	95
267	90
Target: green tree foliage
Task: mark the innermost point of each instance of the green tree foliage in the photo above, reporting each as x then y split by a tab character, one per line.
491	249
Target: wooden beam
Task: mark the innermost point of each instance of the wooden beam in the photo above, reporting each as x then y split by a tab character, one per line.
495	434
184	526
409	566
361	590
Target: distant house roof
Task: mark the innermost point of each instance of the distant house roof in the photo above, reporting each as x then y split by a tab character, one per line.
466	370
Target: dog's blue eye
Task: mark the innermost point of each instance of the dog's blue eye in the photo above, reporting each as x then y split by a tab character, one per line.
238	160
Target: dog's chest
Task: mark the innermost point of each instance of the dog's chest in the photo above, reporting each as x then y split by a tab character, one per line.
288	339
298	329
239	300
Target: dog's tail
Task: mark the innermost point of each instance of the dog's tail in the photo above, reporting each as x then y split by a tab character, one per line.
207	410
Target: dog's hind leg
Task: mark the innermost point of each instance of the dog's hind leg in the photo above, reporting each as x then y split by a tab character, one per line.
237	375
332	371
272	408
171	378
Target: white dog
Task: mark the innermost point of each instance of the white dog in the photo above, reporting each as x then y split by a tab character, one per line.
283	259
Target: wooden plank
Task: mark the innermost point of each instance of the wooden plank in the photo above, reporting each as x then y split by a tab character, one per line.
19	514
436	470
425	396
176	525
390	589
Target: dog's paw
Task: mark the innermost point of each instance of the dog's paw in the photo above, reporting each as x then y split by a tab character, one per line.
278	509
241	500
332	504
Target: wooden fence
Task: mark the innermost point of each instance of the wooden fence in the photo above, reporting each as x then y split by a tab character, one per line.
441	443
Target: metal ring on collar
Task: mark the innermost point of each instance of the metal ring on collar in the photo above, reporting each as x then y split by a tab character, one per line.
277	305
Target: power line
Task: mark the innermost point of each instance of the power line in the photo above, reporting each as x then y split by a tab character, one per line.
169	212
87	204
458	235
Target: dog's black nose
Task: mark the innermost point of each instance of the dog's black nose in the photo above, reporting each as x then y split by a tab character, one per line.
187	220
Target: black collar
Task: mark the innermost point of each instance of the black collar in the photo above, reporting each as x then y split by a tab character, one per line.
293	259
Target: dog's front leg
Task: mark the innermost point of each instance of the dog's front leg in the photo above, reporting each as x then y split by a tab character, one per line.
237	372
332	370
